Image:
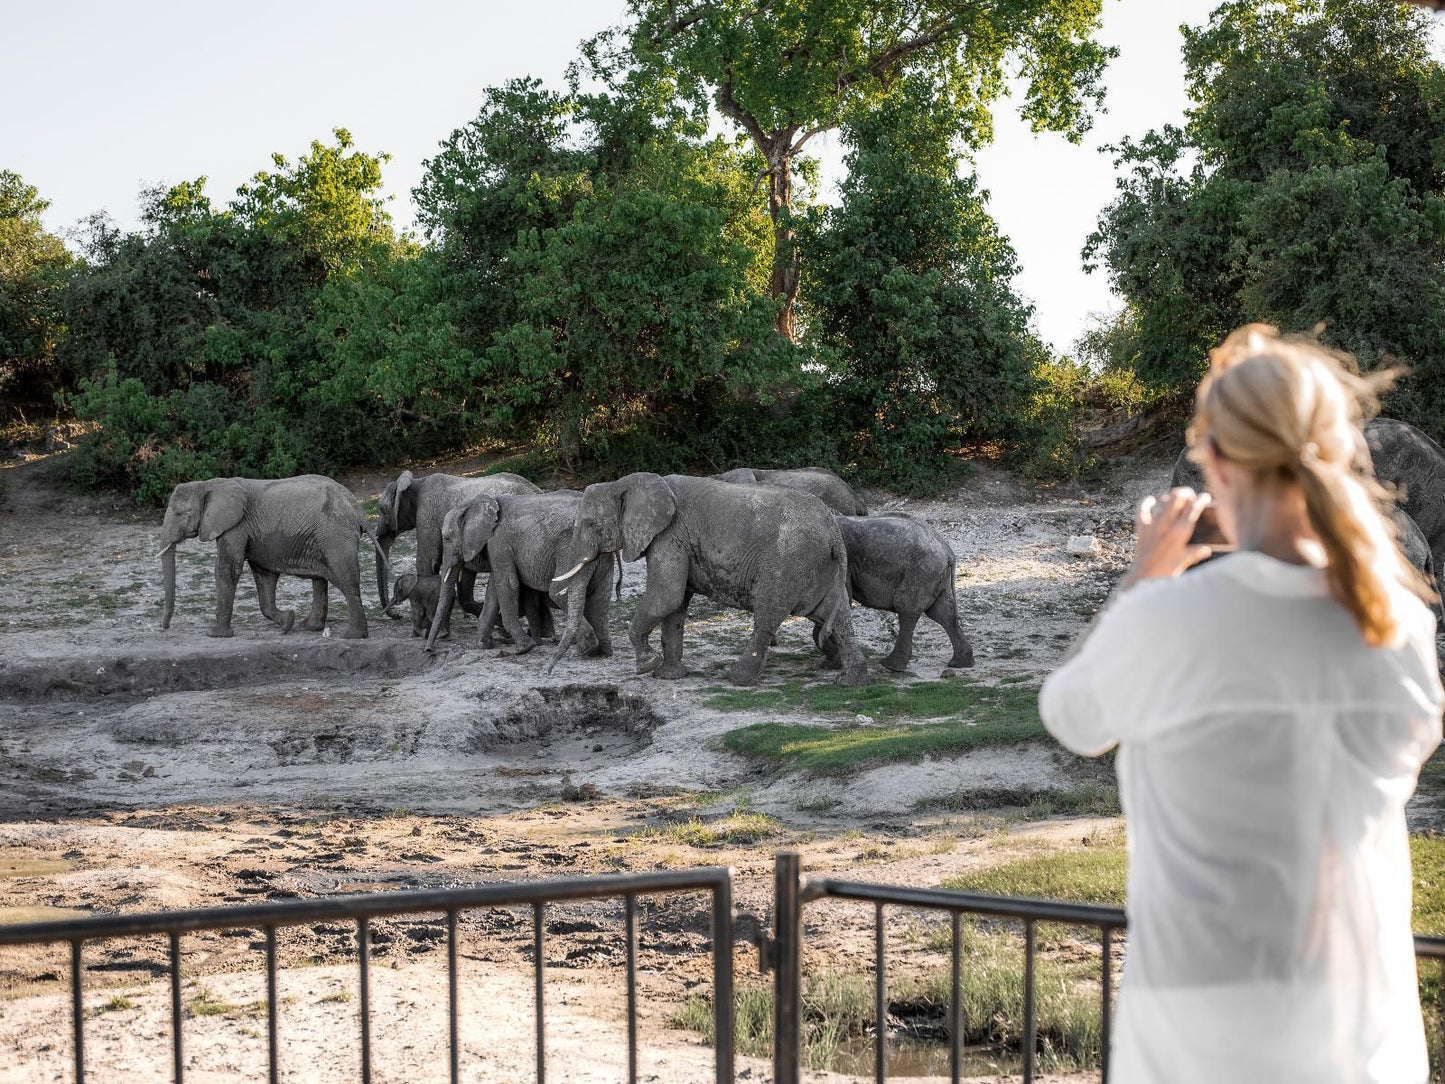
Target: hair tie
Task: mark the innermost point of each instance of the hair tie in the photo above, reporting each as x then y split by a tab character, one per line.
1309	453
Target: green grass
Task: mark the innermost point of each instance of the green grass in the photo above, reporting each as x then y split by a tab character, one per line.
1093	874
118	1003
203	1003
1427	859
838	1005
738	827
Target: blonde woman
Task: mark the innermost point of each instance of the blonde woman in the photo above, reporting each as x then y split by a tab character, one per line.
1272	710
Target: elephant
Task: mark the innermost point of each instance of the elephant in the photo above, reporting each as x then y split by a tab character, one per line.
303	526
768	549
423	592
520	539
422	503
900	564
823	484
1407	460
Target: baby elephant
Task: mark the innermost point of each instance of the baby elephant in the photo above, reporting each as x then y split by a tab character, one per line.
901	564
422	592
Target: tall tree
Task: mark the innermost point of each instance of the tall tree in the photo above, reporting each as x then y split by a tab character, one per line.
33	266
784	71
1306	187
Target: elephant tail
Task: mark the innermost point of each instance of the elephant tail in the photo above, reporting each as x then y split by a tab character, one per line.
617	562
842	605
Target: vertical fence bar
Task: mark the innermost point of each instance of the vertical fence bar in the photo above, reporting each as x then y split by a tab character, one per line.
722	977
454	1063
77	1013
271	1045
1106	1009
176	1007
1029	1024
880	998
955	1005
787	966
363	958
631	910
537	946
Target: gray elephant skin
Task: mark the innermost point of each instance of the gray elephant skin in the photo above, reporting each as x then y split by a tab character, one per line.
900	564
423	593
421	504
1410	462
520	539
768	549
823	484
304	526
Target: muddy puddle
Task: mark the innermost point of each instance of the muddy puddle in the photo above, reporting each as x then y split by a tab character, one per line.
906	1058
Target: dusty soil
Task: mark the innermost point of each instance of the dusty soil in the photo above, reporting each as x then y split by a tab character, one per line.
142	769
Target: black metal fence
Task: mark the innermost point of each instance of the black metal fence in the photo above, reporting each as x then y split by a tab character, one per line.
781	953
363	908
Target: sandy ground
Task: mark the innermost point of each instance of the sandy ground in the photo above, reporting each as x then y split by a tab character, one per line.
142	769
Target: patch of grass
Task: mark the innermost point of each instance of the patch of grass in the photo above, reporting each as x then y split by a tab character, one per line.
1092	874
725	699
204	1003
1427	859
738	827
979	715
821	804
118	1003
838	1006
336	996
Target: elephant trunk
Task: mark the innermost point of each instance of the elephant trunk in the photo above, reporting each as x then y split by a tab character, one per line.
383	572
576	587
448	596
168	576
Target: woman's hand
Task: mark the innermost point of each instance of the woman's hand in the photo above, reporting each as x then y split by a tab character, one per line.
1163	527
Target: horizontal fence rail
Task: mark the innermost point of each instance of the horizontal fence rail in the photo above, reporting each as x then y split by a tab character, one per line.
1026	910
363	908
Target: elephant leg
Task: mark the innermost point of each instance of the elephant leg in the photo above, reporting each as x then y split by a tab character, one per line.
490	619
507	587
746	670
532	605
350	585
897	659
828	645
945	611
320	605
672	625
666	589
598	610
836	614
549	627
467	592
266	581
229	559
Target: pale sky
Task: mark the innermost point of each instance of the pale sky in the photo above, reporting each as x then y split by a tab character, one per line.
102	99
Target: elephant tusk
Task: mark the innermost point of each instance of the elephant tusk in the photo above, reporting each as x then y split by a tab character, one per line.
569	574
165	551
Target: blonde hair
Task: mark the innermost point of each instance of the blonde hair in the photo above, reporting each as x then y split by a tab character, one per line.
1289	411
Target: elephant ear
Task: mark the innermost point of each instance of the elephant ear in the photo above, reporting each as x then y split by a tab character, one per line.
647	508
222	509
479	520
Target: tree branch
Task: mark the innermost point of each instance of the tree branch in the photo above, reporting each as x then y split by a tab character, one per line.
730	108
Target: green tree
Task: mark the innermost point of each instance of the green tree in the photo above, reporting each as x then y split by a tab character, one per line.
33	269
784	72
1307	187
910	286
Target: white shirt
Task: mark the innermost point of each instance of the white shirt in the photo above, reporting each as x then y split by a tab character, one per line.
1266	754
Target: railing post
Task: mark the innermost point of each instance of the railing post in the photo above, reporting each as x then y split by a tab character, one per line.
787	974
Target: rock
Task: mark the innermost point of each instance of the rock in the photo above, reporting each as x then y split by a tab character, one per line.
864	719
1083	545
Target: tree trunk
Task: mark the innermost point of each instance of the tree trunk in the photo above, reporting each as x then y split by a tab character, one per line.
784	284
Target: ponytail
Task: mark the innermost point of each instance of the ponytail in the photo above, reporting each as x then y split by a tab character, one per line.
1289	411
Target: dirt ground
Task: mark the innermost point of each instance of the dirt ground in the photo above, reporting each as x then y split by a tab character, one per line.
142	769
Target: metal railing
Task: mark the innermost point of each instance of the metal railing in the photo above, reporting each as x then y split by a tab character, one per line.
781	953
791	892
363	908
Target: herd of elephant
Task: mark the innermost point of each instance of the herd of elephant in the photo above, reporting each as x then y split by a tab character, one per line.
778	544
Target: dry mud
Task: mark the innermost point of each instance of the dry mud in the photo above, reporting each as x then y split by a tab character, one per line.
142	769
